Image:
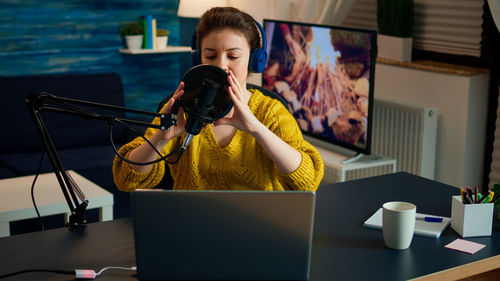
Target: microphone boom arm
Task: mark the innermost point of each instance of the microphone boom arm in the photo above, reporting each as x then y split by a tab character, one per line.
38	103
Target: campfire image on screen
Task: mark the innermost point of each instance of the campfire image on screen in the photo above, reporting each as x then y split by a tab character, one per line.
323	73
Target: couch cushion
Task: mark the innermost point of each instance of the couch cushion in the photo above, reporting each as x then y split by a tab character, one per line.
19	133
6	172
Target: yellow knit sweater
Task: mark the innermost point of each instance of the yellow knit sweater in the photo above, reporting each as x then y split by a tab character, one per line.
242	165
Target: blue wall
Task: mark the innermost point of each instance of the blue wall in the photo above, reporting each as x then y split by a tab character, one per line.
82	36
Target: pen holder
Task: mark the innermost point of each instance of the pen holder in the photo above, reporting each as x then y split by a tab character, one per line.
470	220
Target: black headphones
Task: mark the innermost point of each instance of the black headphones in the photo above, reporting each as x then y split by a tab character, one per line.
258	57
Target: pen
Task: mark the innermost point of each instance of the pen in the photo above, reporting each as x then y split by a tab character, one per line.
462	194
430	219
476	200
468	193
487	199
468	199
492	194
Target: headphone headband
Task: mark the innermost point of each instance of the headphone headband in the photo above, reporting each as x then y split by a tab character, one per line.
258	56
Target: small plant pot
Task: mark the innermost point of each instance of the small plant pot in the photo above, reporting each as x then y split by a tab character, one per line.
162	42
134	42
394	48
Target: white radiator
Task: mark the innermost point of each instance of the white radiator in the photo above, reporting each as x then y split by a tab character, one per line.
367	166
333	174
407	133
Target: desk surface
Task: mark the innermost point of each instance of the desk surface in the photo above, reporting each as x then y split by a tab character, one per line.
342	248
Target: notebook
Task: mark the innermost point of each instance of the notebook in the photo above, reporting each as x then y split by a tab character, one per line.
423	228
222	235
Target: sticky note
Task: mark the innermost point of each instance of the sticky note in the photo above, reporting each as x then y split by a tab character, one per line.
465	246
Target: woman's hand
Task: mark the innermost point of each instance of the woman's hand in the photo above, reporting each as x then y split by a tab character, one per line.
177	130
144	152
286	158
242	117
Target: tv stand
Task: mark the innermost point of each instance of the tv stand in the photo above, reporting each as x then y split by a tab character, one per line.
352	159
360	157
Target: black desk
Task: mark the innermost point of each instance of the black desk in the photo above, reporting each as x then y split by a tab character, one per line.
342	248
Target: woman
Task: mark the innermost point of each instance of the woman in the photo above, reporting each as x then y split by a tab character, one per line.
256	146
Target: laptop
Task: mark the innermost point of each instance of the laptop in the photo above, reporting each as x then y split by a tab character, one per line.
222	235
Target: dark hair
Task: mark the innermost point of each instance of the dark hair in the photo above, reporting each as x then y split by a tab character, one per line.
220	18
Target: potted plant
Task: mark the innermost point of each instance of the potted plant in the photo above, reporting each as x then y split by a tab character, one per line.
133	33
162	38
395	27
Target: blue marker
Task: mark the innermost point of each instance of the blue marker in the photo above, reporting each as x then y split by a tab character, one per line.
430	219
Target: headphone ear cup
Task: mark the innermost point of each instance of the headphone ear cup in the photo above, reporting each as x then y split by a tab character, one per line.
258	56
257	61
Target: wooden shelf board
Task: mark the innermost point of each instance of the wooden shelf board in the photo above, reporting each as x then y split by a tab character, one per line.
169	49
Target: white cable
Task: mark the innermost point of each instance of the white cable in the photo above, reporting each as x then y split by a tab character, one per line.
133	268
91	274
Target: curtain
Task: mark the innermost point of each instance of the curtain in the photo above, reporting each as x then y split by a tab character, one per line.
494	173
446	26
495	11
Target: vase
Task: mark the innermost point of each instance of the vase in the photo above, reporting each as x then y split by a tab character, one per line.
394	48
134	42
162	42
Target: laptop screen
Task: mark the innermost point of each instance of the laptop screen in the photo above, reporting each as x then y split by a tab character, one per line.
225	235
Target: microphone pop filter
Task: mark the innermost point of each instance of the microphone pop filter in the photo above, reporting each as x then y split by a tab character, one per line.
194	85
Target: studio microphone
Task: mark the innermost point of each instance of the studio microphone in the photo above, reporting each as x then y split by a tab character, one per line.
201	107
205	99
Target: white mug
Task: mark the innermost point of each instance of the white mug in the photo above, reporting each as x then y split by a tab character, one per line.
398	224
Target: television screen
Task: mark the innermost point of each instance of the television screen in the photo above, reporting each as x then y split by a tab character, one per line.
326	74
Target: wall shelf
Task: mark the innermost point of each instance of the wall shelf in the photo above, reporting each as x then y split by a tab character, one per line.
169	49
